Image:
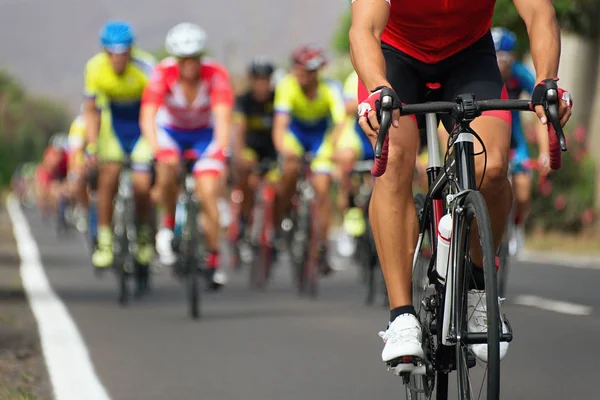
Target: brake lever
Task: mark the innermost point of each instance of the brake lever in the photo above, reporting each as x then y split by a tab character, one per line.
384	126
551	109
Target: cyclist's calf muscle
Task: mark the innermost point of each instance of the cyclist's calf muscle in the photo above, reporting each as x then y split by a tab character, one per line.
392	213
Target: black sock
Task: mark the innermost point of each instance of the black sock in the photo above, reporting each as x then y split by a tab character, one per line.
396	312
477	281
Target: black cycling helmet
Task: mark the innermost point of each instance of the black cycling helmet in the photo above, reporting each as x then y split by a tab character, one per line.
261	67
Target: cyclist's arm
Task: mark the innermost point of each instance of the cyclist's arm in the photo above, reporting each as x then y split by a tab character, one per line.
527	81
91	112
283	105
152	99
281	123
337	109
240	127
92	120
222	113
148	123
369	18
544	35
222	101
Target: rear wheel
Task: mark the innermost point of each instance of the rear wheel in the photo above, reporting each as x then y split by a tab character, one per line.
420	387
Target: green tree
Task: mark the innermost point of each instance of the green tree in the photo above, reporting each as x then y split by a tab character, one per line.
341	42
26	123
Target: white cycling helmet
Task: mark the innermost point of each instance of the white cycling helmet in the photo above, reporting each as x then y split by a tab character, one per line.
185	40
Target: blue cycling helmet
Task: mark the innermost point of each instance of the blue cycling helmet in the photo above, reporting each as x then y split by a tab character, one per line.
116	36
504	40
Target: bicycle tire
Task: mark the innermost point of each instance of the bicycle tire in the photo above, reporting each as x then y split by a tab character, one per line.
191	260
121	248
311	264
265	258
301	244
474	207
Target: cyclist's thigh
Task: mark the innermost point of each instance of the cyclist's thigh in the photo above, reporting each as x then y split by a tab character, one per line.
141	155
293	142
321	146
475	70
212	161
404	75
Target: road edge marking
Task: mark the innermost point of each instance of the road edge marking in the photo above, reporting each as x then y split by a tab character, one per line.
562	307
67	358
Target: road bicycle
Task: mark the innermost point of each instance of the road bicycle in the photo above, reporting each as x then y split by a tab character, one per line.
304	232
189	242
125	238
261	233
440	299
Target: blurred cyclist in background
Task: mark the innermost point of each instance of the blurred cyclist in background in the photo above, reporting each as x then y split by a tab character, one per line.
114	81
352	146
188	104
253	141
76	178
517	79
309	115
50	173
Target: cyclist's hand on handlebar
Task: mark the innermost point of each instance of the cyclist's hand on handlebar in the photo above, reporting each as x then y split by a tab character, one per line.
539	97
369	111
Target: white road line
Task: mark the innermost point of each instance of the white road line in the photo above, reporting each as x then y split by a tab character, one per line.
562	307
67	359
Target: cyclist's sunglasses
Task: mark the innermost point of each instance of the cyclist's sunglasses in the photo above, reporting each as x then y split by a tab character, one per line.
117	49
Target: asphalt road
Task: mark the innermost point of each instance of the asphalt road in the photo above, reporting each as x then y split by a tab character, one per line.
275	345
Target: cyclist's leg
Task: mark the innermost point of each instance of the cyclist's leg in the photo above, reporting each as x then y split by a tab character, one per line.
293	150
167	189
349	149
476	71
247	182
392	213
110	155
141	157
208	171
521	175
322	167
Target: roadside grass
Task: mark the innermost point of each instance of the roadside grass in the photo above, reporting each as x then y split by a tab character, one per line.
582	244
16	394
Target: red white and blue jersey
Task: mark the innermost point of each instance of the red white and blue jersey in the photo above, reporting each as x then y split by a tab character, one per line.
164	90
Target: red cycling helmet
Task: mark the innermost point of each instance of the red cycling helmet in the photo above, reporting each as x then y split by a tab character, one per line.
310	57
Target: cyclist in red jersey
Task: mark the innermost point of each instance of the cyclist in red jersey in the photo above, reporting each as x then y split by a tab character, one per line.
188	104
402	45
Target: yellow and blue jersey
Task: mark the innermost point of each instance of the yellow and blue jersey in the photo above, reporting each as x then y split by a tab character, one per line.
118	96
315	114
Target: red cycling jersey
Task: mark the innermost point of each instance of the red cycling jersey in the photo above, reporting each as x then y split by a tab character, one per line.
433	30
164	90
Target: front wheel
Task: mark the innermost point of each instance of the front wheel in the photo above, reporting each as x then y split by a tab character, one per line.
472	302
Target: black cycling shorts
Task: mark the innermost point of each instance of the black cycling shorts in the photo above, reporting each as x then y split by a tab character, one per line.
262	145
472	70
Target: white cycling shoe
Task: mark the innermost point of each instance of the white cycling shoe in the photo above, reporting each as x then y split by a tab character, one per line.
164	247
477	311
402	342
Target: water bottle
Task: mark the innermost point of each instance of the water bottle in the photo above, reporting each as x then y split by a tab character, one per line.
443	245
